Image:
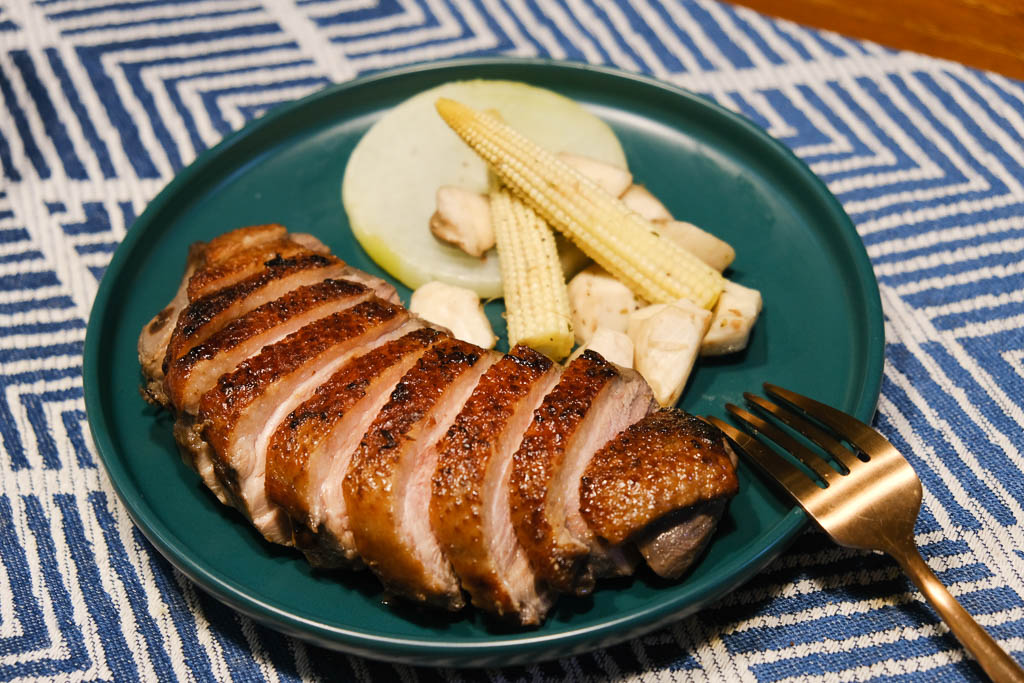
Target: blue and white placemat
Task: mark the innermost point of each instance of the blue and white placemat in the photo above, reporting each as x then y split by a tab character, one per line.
102	101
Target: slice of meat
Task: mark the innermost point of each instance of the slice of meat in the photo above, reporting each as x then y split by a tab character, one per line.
309	453
593	401
387	487
239	253
197	454
469	509
189	320
241	412
226	246
155	336
213	277
240	265
206	315
193	374
658	483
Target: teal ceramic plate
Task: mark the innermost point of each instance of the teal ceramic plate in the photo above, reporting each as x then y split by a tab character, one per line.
821	333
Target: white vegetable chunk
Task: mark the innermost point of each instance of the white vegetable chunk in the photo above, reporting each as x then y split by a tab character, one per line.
735	313
596	299
666	339
639	199
611	179
463	218
455	308
711	250
614	346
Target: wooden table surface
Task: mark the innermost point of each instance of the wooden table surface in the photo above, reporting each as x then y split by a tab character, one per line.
988	34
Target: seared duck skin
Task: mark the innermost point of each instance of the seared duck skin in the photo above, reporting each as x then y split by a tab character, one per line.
660	483
592	402
239	413
195	372
387	487
469	508
310	451
337	422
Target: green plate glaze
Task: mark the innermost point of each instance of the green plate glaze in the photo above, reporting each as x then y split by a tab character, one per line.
821	334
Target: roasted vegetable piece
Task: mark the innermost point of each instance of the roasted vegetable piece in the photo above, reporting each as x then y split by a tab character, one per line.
536	300
666	340
733	318
601	225
596	299
463	219
455	308
713	251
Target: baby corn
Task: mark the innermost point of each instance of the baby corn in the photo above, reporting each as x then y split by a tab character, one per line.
623	242
536	300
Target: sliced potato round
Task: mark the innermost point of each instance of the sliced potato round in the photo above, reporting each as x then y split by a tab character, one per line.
394	172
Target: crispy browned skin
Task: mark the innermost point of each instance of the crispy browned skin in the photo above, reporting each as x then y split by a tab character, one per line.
308	426
667	461
461	502
555	554
240	265
372	478
221	405
223	247
206	315
328	293
239	414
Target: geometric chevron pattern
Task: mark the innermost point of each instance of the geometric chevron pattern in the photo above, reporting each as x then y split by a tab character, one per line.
102	102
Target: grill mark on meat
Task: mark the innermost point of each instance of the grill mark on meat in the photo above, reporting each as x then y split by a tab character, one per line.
663	463
234	391
161	319
387	486
241	411
308	455
240	266
195	372
206	315
593	399
469	508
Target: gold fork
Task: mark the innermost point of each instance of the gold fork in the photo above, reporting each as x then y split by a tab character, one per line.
869	500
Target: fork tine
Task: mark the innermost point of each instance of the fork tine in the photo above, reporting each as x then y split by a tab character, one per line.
861	436
773	464
814	433
798	450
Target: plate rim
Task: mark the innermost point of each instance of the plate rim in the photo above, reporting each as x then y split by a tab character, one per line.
523	647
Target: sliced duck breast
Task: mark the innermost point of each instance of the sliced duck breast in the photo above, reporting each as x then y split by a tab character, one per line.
309	453
241	412
241	253
196	453
469	509
224	247
204	316
156	335
662	484
593	401
387	487
245	263
194	373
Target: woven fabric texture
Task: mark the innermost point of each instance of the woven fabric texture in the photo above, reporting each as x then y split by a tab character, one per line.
102	102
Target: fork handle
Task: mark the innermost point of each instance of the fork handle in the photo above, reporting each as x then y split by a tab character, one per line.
999	665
